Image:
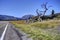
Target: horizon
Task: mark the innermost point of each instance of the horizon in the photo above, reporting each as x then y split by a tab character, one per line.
19	8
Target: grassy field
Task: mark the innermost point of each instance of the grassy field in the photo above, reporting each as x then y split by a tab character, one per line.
37	30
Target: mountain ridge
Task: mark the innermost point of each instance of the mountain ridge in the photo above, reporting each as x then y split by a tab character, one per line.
6	17
25	17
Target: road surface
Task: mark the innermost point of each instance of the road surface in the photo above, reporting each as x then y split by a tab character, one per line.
7	32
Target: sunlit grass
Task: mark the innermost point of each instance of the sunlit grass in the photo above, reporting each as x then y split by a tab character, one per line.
46	24
19	22
36	30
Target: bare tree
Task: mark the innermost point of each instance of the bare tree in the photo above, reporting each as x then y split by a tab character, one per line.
39	12
39	15
42	13
44	5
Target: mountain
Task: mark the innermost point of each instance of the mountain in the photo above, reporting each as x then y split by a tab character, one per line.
27	16
6	17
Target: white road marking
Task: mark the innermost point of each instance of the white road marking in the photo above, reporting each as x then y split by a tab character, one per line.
3	34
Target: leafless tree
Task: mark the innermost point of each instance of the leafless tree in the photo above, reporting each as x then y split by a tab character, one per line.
38	12
39	15
42	13
45	7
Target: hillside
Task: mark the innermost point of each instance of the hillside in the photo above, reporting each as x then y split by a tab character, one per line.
27	16
6	17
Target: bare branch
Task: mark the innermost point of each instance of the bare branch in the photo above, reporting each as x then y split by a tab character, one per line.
37	12
44	5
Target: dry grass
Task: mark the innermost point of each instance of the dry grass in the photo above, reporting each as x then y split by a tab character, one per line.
46	24
19	22
34	29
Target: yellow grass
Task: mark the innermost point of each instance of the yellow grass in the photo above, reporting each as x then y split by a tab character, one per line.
46	24
34	29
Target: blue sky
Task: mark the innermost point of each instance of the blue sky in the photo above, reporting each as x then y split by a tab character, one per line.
18	8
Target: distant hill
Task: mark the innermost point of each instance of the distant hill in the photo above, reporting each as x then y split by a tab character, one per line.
6	17
27	16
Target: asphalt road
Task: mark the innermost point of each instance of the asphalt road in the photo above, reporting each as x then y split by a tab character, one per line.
10	33
2	27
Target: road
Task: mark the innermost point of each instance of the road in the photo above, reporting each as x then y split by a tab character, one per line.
7	32
2	26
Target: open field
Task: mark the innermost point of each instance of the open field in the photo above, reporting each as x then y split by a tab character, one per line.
45	30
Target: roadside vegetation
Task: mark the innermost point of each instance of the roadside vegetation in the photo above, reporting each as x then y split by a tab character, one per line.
37	30
46	24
